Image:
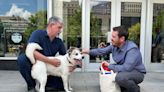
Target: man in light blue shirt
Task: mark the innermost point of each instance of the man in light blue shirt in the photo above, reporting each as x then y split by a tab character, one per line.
127	56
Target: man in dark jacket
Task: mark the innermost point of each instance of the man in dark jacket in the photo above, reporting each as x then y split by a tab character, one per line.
51	44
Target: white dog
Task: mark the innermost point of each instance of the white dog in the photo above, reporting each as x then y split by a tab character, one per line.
41	70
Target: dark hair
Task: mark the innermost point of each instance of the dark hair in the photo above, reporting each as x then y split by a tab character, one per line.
122	31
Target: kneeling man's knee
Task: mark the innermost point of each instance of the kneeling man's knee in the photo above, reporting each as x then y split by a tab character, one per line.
22	59
120	79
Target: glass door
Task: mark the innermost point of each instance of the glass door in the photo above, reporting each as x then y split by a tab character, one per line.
133	17
96	28
157	54
72	24
155	36
100	18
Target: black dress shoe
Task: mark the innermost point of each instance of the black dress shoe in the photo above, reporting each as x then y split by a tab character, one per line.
32	90
51	89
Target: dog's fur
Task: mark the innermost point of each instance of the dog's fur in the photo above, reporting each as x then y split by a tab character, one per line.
41	70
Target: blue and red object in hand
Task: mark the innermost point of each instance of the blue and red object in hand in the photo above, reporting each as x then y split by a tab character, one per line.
105	67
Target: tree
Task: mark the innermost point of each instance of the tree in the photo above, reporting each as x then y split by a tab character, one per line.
74	26
159	20
36	21
1	27
1	32
95	26
134	33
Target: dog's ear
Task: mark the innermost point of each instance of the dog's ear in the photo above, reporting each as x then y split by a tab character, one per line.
70	50
80	49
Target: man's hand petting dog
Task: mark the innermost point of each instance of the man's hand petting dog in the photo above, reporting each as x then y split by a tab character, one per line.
55	62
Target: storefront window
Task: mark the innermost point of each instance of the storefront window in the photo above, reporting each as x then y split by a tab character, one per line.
18	18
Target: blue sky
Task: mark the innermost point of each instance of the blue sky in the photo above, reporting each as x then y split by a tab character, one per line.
8	7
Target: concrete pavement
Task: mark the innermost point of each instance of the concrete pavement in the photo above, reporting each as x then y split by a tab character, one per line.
12	81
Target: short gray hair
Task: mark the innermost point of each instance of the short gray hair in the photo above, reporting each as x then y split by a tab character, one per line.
54	20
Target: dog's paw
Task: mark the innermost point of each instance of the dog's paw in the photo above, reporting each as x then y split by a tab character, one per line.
70	89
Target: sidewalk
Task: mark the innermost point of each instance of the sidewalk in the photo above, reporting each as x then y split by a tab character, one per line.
12	81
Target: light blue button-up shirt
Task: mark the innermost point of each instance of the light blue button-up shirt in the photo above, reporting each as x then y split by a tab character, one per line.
127	58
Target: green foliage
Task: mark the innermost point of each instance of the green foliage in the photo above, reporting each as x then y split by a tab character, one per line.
1	31
1	27
158	22
74	23
95	26
36	21
134	33
74	26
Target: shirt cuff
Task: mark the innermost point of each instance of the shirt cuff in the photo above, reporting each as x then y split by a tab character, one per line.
111	66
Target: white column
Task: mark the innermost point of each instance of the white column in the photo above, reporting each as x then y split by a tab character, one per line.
143	30
58	11
49	9
86	29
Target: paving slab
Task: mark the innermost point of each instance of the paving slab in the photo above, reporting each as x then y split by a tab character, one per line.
12	81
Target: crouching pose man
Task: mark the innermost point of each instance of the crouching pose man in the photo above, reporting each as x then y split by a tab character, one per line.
51	44
127	57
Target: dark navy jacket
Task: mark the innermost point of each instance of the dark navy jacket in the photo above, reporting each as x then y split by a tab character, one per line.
50	48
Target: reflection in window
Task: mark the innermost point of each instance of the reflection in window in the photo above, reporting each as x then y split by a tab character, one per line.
130	17
158	34
72	23
17	20
100	19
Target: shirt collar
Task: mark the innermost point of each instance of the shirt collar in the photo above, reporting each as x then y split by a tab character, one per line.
124	46
46	35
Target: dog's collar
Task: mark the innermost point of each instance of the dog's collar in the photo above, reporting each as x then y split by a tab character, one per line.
69	61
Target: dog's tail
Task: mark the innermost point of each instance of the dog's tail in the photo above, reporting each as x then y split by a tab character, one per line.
31	47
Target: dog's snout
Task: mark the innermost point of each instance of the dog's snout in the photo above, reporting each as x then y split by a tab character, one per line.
82	57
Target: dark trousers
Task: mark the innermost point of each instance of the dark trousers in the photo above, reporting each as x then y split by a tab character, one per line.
25	69
157	53
128	81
